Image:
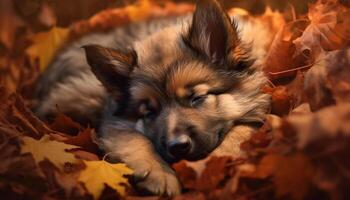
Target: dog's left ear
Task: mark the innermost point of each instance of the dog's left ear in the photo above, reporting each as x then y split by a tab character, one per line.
212	33
112	68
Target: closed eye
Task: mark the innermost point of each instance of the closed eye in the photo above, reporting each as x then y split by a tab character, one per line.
149	114
197	100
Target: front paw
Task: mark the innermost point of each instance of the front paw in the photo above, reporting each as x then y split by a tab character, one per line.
156	178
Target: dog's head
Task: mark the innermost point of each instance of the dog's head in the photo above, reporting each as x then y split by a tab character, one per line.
188	85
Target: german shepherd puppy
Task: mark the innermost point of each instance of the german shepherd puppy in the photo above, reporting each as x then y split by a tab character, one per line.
168	89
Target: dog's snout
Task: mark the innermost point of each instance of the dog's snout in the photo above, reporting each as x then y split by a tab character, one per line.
180	146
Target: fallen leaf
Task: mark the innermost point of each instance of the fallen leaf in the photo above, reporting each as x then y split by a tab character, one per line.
281	102
215	172
46	44
111	18
282	47
187	176
16	115
324	136
292	175
48	149
328	28
65	124
9	23
98	173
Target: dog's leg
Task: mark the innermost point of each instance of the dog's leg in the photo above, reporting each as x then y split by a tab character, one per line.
131	147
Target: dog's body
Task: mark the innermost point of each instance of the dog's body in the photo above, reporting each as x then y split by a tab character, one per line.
178	88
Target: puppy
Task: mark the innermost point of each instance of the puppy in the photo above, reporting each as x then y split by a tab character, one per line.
164	90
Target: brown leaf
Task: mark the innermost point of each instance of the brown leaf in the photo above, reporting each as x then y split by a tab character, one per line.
324	136
65	124
84	139
19	173
328	29
216	170
111	18
9	23
292	175
191	196
280	62
60	180
281	100
15	114
186	174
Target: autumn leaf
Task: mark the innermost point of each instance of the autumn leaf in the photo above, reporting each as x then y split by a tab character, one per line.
84	139
98	173
283	47
281	100
9	23
292	175
46	44
328	28
65	124
139	11
48	149
186	174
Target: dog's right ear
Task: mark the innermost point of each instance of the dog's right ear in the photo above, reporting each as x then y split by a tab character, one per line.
111	67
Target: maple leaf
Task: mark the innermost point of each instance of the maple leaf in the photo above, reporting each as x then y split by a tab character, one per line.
328	28
48	149
98	173
46	44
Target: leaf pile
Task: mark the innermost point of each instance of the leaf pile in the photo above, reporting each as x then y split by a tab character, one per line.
301	152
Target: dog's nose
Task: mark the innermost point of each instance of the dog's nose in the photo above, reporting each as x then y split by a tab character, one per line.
180	146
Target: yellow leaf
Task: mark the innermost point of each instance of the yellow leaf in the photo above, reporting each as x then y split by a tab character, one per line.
45	45
49	149
98	173
140	10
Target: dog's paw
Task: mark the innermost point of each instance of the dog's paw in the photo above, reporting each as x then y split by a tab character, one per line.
156	179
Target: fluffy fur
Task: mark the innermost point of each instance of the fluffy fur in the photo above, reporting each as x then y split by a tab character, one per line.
169	89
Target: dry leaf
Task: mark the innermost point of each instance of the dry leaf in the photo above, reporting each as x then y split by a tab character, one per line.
187	176
292	175
328	29
65	124
98	173
215	172
46	44
48	149
281	100
283	47
112	18
9	23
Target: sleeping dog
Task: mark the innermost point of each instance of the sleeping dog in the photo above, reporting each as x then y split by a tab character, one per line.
164	90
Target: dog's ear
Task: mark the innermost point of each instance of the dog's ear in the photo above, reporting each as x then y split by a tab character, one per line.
212	33
111	67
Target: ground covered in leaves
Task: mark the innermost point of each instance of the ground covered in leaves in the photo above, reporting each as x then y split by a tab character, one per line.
302	151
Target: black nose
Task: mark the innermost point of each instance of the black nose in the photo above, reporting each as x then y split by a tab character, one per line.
180	146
